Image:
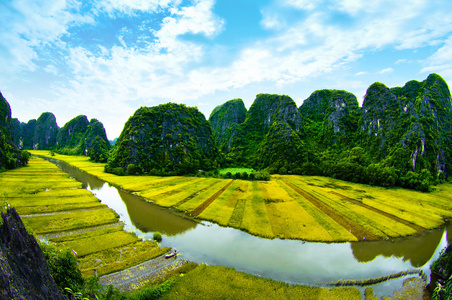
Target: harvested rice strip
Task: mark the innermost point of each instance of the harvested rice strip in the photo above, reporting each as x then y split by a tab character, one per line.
256	219
221	209
357	230
197	211
161	192
187	191
334	229
118	259
239	210
210	182
201	197
71	221
95	244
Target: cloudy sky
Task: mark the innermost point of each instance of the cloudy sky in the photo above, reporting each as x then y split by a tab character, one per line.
106	58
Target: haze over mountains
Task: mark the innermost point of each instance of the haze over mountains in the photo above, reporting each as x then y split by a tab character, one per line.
400	136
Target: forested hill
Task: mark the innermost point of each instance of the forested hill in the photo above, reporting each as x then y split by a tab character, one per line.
82	137
169	139
77	137
225	120
400	136
10	156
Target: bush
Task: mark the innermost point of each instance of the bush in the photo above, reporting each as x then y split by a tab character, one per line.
252	176
118	171
133	170
157	236
244	175
63	267
228	175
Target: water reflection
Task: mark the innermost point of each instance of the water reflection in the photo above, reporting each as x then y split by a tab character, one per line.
151	218
418	250
285	260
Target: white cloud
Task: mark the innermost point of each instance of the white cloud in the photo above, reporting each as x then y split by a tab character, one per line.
387	70
361	73
303	4
131	7
440	61
51	69
28	26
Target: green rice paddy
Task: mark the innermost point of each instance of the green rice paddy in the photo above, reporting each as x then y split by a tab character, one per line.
290	206
52	204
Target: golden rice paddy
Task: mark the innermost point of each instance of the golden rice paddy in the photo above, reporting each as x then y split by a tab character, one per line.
290	206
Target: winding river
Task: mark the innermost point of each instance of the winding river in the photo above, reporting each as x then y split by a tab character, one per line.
291	261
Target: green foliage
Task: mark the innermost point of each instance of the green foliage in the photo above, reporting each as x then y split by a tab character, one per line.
443	265
80	137
157	236
152	292
169	139
443	292
98	152
63	267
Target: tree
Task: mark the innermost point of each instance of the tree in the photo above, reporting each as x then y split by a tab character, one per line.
99	150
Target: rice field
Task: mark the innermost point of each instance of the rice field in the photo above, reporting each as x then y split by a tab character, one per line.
290	206
56	208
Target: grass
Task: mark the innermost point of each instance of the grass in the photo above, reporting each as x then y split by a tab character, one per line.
310	208
235	170
51	202
207	282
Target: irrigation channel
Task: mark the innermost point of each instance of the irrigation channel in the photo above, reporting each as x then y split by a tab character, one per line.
290	261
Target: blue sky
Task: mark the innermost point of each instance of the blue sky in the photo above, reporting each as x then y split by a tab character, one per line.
106	58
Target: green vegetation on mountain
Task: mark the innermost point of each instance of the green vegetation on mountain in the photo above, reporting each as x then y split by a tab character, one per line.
169	139
10	156
268	116
225	120
80	137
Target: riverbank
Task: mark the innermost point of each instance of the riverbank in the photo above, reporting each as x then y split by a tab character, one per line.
289	207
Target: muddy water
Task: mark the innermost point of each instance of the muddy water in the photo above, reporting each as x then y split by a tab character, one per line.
294	262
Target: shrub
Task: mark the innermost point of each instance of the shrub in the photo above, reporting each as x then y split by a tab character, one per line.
244	175
133	170
228	175
63	267
118	171
252	176
157	236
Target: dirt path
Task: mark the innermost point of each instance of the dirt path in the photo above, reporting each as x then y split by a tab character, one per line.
142	274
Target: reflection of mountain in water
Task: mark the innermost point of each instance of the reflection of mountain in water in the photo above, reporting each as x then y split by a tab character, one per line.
149	217
145	216
418	249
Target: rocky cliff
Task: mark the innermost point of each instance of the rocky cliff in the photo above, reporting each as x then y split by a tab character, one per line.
416	117
79	135
37	134
10	156
225	120
165	139
24	273
267	111
330	110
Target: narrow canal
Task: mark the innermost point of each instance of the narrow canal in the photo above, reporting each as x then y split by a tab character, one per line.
294	262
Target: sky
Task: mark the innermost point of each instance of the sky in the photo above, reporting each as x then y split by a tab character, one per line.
107	58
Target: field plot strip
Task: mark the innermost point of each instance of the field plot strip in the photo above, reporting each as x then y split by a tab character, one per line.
320	226
239	210
256	219
183	201
197	211
381	212
357	230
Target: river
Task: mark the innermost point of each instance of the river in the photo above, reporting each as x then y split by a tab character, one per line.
291	261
